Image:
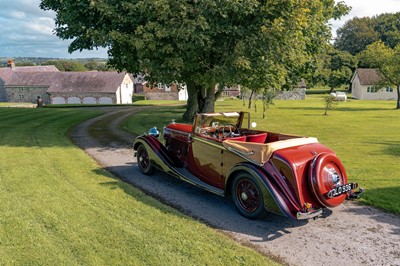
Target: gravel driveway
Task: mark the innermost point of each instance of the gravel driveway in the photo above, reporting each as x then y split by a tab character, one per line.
352	234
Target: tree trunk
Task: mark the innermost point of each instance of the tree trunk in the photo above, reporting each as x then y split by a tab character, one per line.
192	106
200	100
208	101
251	96
398	97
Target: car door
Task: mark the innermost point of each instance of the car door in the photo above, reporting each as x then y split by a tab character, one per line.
205	160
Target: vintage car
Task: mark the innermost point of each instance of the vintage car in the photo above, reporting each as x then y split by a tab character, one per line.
285	174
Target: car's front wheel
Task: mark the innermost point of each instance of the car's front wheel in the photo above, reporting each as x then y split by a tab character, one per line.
247	196
143	160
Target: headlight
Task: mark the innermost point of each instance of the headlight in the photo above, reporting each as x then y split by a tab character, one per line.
154	132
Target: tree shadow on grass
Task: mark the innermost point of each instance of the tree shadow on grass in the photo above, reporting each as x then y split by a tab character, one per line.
391	147
344	109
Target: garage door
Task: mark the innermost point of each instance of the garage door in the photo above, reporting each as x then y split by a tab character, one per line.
58	100
105	100
89	100
73	100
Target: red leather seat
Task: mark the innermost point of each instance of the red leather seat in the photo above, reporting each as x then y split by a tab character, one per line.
257	138
241	138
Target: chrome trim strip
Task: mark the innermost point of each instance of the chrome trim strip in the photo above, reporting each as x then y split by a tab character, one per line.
178	131
243	155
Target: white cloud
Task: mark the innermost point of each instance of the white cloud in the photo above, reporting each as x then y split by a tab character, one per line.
26	30
18	14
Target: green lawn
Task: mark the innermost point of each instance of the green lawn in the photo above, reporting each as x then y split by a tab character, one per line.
364	134
59	207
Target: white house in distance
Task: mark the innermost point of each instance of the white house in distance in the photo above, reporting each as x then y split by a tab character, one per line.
364	86
91	88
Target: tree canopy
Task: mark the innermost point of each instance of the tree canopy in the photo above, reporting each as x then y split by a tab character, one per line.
357	33
336	68
255	43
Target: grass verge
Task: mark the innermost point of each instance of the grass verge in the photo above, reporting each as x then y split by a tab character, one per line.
364	134
58	207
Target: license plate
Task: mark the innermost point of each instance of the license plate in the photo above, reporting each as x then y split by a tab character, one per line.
341	190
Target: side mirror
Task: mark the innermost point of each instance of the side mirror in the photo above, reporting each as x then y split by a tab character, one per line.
253	124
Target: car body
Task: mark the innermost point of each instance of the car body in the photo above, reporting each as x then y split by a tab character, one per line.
261	171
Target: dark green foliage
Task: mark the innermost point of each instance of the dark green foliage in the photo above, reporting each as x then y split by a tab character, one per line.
66	65
200	43
138	97
358	33
335	68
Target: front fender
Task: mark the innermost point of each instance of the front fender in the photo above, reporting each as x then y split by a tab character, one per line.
273	200
159	156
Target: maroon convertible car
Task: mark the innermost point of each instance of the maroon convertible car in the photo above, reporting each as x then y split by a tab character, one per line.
261	171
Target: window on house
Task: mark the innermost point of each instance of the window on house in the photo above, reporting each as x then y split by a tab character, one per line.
226	93
167	87
160	86
372	89
21	96
389	89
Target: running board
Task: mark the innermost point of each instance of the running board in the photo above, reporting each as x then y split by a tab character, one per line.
184	174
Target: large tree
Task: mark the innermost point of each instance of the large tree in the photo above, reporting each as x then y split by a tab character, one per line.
387	60
356	34
255	43
338	67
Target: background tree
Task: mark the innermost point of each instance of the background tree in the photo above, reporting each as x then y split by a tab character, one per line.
66	65
200	43
388	27
24	63
355	35
341	66
387	60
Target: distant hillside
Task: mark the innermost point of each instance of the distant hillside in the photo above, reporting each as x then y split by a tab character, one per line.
36	61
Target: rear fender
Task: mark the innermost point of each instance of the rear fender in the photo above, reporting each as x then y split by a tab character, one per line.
273	200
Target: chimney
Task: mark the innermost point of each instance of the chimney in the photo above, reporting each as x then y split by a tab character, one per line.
11	64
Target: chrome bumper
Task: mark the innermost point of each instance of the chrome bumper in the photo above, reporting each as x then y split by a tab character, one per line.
308	215
355	194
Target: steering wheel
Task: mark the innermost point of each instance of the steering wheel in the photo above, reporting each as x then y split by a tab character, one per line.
228	130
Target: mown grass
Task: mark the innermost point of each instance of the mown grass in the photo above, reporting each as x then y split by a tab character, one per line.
364	134
58	207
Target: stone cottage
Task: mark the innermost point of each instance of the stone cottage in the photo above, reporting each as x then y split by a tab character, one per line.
9	92
25	84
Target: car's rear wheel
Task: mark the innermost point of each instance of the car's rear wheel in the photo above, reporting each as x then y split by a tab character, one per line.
143	160
247	196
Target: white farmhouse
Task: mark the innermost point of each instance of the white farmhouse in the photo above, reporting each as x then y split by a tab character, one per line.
365	86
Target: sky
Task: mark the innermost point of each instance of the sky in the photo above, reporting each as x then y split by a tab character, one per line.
27	31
